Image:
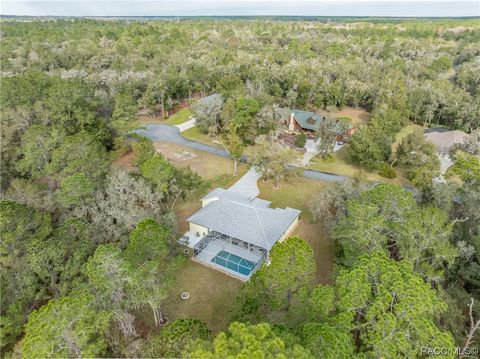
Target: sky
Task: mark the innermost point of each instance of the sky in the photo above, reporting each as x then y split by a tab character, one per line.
400	8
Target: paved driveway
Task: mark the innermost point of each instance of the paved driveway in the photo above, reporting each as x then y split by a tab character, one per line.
247	185
167	133
323	176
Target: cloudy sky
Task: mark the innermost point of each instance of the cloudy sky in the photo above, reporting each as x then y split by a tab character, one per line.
243	7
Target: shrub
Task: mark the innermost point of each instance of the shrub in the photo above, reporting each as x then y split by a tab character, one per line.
300	140
387	171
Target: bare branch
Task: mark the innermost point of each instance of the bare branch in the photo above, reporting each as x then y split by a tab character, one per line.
474	326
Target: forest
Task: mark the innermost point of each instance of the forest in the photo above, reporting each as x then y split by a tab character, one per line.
89	249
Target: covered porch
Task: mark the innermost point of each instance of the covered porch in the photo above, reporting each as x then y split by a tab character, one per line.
229	255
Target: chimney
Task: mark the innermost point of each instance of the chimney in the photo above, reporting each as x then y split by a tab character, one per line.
291	123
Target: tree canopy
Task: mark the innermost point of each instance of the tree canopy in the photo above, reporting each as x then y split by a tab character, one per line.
247	341
387	218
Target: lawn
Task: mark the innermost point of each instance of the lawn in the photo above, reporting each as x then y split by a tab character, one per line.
339	163
212	295
209	166
195	134
297	193
357	116
179	117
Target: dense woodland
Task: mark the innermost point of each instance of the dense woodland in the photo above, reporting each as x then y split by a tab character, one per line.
86	246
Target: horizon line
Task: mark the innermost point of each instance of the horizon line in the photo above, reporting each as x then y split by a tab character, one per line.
265	15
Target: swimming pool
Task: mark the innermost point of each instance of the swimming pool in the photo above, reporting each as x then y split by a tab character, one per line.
234	262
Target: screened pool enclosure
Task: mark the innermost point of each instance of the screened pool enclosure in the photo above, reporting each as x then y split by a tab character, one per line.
230	255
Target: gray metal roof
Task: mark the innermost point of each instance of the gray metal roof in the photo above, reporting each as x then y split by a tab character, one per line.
248	220
443	141
220	193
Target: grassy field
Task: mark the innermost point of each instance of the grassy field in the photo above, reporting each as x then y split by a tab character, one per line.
339	163
207	165
211	292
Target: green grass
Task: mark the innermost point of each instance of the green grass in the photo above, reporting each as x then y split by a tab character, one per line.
195	134
212	295
209	166
339	163
179	117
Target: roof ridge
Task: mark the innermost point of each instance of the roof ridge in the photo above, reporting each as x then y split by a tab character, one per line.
257	216
261	226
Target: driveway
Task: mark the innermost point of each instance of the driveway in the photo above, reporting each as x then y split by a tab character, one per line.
247	185
167	133
323	176
311	151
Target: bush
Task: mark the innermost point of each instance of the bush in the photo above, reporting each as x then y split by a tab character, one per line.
387	171
329	159
300	140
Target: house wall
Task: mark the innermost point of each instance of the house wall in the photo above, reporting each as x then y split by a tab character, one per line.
289	230
195	228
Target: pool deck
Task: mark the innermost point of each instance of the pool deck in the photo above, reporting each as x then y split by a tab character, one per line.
216	246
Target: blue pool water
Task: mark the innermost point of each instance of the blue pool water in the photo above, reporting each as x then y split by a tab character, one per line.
234	262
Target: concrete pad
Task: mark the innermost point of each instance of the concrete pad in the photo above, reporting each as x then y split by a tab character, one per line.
186	125
311	146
